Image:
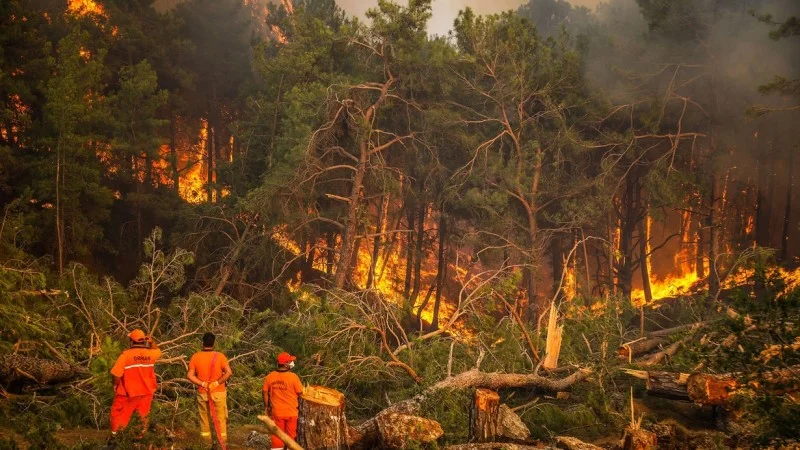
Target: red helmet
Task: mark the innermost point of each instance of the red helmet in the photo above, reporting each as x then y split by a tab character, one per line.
285	358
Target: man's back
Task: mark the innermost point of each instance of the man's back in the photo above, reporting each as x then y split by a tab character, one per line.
200	363
283	387
136	367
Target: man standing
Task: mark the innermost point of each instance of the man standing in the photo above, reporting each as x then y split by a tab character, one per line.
209	370
281	391
134	378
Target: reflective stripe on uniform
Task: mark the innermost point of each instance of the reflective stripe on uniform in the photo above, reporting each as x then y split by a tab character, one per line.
138	365
204	434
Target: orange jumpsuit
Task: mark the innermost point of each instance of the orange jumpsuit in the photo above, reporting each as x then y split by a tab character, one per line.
284	388
136	367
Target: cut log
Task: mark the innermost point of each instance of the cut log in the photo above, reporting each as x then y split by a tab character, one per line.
706	389
657	357
511	426
673	330
571	443
632	349
496	446
484	416
19	370
399	431
322	424
668	385
638	439
273	429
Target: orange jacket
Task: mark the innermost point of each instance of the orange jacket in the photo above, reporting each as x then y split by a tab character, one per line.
284	387
136	367
200	362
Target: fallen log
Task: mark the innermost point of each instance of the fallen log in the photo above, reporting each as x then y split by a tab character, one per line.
484	416
496	446
657	357
706	389
273	429
639	439
631	349
571	443
20	369
663	384
322	424
397	431
673	330
474	378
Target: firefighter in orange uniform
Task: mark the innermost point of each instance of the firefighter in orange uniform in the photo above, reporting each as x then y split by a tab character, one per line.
209	370
134	378
282	388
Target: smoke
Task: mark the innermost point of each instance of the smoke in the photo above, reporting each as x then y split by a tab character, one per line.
445	11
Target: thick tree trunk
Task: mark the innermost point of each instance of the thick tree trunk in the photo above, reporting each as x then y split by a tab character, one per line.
644	240
322	424
209	162
441	269
376	241
418	252
330	254
173	153
511	426
713	276
763	202
18	370
787	215
409	253
351	225
484	417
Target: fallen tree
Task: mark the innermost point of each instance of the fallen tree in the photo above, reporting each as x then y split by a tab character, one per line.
368	431
18	370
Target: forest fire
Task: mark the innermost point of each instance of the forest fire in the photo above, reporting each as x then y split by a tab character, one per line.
442	229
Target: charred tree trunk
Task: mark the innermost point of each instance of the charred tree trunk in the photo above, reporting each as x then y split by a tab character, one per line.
409	254
787	215
330	253
441	270
418	252
173	153
322	424
351	225
763	202
484	416
644	238
376	241
210	162
713	276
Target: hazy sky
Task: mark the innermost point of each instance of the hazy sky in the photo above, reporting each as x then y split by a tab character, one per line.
445	11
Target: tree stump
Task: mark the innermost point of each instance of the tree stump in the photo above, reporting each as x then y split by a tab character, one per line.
668	385
322	424
484	416
706	389
399	431
638	439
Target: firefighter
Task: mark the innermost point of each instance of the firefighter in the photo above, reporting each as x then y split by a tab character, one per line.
209	370
282	389
134	378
